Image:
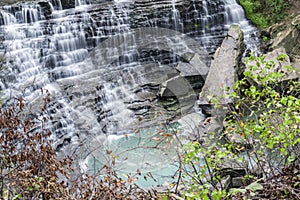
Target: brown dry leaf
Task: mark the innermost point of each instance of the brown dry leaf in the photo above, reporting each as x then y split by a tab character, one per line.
166	134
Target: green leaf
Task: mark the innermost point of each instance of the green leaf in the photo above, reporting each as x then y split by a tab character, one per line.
290	103
254	187
30	188
281	57
291	159
19	196
218	194
237	190
253	88
284	100
5	194
292	136
289	68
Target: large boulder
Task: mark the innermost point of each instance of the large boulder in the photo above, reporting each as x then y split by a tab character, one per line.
224	69
191	75
194	67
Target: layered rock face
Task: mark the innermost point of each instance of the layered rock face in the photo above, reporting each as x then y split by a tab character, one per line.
120	72
104	63
285	39
286	35
183	15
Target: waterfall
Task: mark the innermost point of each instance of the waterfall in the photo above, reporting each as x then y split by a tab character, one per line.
178	26
8	18
104	63
235	14
80	3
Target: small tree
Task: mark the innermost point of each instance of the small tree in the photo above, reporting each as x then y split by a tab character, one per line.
30	169
261	135
28	164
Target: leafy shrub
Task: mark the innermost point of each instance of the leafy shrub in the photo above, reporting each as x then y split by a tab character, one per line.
261	135
272	128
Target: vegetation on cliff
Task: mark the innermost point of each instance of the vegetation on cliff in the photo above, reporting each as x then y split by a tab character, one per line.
264	13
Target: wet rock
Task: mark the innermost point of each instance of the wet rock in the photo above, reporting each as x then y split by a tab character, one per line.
45	6
190	124
232	177
190	76
187	69
179	88
174	87
2	59
188	56
67	4
145	96
238	182
62	143
198	65
51	62
139	106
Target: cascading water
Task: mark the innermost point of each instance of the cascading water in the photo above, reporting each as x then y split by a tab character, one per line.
104	64
178	25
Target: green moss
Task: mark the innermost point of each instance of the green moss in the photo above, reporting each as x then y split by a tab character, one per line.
264	13
265	38
259	20
251	7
